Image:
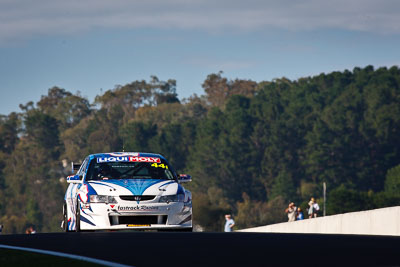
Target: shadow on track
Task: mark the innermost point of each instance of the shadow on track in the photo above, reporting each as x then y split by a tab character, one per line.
219	249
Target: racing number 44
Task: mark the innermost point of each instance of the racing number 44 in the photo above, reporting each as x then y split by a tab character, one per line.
161	165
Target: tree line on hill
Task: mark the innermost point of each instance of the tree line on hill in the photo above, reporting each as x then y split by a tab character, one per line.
251	147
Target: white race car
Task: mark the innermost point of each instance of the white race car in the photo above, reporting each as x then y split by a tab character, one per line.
127	191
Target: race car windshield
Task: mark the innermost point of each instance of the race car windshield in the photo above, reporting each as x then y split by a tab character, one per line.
104	170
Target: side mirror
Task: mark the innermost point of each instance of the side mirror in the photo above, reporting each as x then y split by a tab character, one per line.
75	167
184	178
74	179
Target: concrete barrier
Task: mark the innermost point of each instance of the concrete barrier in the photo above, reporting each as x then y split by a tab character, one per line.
384	221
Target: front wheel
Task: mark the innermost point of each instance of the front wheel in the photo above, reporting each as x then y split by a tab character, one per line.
78	217
65	214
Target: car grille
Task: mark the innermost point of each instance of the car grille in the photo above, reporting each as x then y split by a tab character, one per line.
137	198
139	220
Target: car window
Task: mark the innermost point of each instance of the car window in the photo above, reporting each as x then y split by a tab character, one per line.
82	169
110	168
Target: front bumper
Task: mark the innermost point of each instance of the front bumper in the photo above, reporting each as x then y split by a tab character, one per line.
133	215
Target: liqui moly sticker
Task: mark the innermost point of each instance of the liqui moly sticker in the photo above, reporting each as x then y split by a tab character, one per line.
145	159
128	159
122	154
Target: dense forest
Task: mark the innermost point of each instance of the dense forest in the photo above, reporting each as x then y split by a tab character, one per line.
250	147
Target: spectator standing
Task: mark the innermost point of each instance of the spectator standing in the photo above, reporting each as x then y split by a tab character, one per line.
30	230
229	223
314	208
291	212
300	215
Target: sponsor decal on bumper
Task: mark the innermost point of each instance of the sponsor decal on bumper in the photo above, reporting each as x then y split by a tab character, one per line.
131	208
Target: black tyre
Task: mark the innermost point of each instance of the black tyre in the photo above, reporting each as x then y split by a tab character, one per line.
78	216
65	214
176	230
185	230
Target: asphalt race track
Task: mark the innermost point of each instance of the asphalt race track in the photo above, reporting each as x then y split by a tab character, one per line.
219	249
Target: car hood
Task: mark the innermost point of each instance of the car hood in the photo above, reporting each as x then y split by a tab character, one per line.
135	187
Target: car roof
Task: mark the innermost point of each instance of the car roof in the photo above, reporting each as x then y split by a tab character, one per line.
122	154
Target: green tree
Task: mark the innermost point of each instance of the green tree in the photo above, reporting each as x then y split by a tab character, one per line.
284	186
8	132
218	89
203	160
206	215
33	214
342	200
67	108
237	163
253	213
137	94
174	142
136	136
392	182
42	129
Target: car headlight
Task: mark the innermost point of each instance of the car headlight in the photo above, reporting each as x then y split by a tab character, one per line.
102	199
172	198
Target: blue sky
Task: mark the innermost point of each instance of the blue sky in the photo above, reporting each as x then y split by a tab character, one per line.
93	45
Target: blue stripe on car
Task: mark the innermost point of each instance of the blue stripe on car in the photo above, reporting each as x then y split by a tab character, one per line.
84	219
91	190
166	184
136	186
180	190
105	184
86	213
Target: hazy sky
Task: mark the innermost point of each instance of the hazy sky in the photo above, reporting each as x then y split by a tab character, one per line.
93	45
